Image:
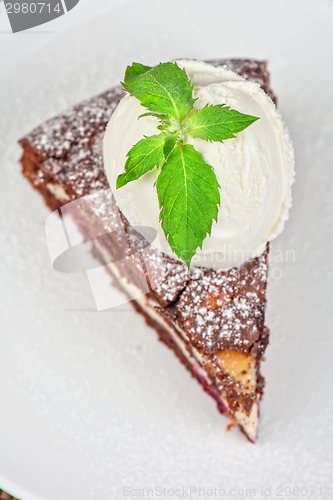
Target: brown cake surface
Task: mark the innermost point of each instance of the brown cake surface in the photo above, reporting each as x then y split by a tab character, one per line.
214	320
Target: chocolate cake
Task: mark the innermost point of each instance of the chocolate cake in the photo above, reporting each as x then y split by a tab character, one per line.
212	319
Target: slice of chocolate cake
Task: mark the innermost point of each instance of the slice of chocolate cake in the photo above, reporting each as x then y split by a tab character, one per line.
212	319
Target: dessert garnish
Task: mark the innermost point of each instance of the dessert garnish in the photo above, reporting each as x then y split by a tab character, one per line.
187	187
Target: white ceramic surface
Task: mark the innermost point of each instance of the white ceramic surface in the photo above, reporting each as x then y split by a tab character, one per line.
91	402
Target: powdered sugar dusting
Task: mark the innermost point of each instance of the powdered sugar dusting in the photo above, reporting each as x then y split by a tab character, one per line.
225	309
77	125
167	277
71	144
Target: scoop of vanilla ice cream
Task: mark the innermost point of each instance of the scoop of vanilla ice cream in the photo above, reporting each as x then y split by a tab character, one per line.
255	169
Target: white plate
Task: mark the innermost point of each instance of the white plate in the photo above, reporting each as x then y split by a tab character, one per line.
92	403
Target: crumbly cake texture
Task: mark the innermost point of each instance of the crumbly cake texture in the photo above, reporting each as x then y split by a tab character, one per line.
213	320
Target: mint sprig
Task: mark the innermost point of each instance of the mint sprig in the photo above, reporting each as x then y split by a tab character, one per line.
144	156
187	188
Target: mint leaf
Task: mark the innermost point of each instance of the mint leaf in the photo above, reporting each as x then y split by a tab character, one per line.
187	188
142	157
170	142
160	116
217	122
135	70
188	196
163	89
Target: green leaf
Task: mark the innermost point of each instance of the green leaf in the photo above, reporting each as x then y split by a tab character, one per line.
170	142
142	157
163	89
160	116
217	123
135	70
188	196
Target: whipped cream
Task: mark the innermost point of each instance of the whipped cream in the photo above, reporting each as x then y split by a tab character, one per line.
255	170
